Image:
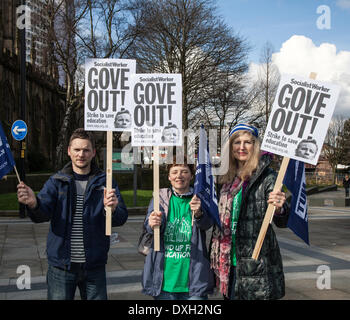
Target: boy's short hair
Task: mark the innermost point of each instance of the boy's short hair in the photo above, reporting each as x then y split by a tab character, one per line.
80	133
184	163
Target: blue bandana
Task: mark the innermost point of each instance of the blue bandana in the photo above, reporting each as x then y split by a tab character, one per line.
244	126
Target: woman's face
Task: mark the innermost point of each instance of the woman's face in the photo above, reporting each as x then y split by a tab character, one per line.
180	177
242	148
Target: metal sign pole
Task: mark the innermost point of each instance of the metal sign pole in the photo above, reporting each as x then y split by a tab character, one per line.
22	212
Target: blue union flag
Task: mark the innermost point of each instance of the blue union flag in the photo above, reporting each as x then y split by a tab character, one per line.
204	186
294	180
6	160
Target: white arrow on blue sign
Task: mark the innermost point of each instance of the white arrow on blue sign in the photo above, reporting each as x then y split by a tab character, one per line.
19	130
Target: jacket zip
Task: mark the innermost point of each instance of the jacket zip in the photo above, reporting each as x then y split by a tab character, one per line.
91	184
245	195
70	185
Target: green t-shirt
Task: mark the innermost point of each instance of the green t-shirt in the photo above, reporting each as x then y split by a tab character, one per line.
177	243
236	207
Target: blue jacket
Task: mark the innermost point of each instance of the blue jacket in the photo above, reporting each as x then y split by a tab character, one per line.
201	277
56	203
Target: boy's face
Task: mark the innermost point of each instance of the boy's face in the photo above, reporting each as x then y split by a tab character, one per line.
180	177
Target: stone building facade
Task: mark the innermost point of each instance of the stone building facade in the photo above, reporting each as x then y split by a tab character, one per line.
44	97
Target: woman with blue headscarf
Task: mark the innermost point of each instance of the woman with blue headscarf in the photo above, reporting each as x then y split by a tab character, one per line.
247	190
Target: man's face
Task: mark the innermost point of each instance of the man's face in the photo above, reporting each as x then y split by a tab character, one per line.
171	135
306	150
123	120
81	153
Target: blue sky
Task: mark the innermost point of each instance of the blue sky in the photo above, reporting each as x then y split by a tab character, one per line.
277	20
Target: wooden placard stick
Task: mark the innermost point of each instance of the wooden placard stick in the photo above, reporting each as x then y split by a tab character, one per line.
271	208
156	233
109	172
18	178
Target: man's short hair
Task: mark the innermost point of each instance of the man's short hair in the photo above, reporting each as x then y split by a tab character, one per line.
80	133
309	140
122	111
170	126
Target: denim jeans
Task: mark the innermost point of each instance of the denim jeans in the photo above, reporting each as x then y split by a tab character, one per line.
178	296
62	284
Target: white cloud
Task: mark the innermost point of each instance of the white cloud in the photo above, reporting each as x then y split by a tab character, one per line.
300	56
345	4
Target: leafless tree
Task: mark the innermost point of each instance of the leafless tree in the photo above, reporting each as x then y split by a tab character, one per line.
335	141
187	37
62	22
268	78
227	102
346	143
104	31
80	29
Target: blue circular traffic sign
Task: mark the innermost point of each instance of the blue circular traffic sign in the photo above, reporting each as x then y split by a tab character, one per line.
19	130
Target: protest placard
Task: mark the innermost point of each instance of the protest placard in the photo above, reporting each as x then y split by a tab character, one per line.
301	105
157	110
107	86
300	117
156	101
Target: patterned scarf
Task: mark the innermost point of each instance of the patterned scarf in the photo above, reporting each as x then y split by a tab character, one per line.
220	254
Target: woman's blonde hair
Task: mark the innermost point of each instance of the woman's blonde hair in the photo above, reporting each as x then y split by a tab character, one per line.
250	165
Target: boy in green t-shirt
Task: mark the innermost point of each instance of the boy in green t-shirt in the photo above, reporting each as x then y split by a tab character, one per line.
180	242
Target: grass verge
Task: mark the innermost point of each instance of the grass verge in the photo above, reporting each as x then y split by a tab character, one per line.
8	201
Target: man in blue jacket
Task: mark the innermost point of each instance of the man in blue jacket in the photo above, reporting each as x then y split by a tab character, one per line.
73	200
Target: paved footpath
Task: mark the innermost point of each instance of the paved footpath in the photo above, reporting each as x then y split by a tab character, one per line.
307	267
23	243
